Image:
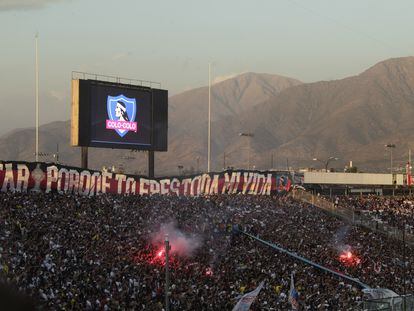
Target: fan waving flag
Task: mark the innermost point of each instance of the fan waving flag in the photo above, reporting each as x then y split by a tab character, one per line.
293	295
247	299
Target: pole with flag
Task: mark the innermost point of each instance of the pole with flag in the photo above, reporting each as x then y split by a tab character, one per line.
293	295
247	299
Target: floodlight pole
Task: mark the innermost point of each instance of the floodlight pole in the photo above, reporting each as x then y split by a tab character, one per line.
391	146
250	136
151	163
57	153
409	171
84	157
326	162
209	120
37	98
167	273
249	155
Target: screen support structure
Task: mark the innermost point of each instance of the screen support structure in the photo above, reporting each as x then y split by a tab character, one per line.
151	164
84	157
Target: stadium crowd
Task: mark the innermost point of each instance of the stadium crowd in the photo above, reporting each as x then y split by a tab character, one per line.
397	211
98	253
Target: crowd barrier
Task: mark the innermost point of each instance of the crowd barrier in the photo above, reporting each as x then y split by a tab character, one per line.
354	217
402	303
348	278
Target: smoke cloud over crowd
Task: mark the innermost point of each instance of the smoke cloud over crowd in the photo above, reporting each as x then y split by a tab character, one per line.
182	244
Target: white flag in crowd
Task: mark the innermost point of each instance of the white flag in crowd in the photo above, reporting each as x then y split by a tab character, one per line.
247	299
293	295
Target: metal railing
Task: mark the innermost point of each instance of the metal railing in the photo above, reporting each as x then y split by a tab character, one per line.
353	217
402	303
114	79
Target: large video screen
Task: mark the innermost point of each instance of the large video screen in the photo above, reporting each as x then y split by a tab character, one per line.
120	115
112	115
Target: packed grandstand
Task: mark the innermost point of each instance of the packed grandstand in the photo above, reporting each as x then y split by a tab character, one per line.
105	252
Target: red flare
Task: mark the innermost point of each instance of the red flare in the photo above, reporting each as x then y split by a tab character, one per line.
209	272
160	253
349	259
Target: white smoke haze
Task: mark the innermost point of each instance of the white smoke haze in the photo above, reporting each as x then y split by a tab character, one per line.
182	244
339	238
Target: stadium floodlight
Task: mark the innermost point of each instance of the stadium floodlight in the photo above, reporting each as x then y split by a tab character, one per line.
198	164
49	154
246	134
326	163
390	146
180	169
250	135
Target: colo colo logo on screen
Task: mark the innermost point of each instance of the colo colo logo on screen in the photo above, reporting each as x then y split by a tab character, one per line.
121	112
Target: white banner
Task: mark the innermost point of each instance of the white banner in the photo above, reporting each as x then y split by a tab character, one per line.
246	301
47	177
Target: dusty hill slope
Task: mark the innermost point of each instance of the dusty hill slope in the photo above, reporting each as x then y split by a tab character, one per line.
351	118
187	126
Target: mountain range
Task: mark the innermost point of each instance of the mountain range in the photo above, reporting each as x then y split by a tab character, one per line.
290	123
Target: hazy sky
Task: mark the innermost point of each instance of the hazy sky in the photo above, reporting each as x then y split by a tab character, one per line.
173	41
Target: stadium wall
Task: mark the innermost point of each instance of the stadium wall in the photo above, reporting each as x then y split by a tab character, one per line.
354	179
